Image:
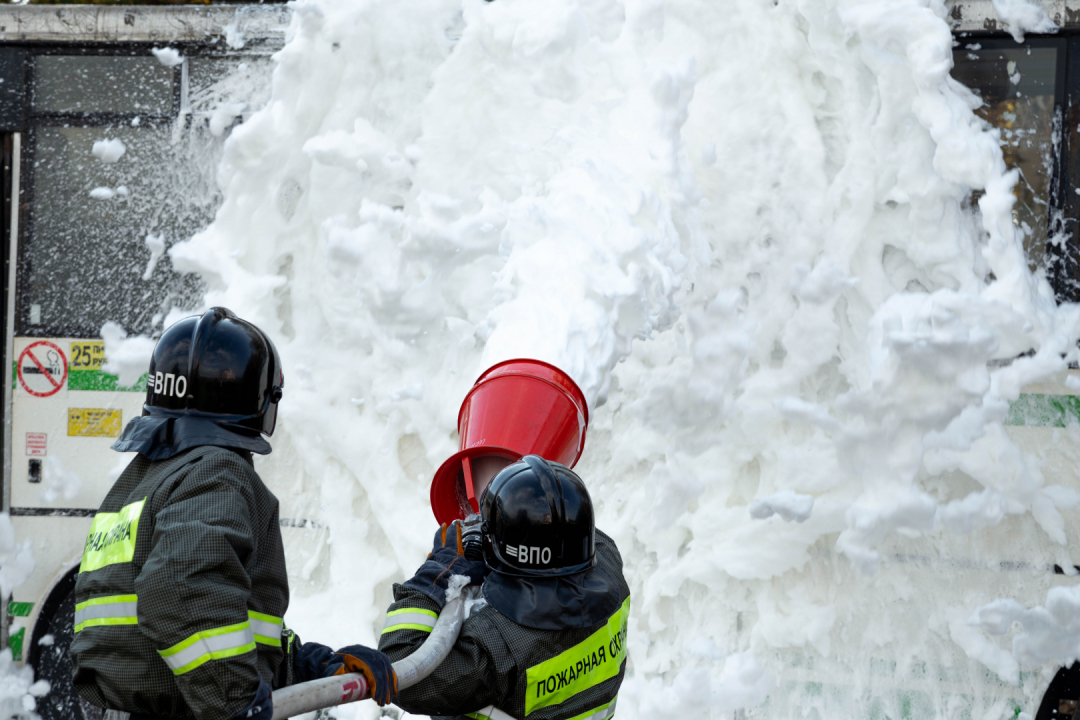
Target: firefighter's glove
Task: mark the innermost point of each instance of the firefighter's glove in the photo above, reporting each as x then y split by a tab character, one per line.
447	558
261	708
372	664
309	661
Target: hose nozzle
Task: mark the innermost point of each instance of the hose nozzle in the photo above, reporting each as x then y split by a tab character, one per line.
472	539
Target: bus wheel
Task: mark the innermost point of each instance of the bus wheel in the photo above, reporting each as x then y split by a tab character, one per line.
53	663
1063	696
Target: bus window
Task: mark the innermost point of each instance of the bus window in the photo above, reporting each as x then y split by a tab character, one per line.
90	250
214	80
101	84
85	255
1021	87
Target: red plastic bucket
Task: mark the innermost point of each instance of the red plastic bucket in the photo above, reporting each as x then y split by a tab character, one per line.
516	408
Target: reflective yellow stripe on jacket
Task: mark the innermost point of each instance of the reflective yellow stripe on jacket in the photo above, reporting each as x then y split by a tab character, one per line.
490	713
267	628
109	610
409	619
123	610
604	712
207	645
592	661
112	537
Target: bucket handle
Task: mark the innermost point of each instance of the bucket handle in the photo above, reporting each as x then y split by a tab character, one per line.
470	488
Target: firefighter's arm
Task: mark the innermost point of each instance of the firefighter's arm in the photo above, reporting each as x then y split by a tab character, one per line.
310	661
466	681
446	559
193	590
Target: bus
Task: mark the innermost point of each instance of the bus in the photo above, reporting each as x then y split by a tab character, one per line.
110	152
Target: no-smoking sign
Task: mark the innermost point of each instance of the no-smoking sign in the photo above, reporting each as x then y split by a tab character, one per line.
43	368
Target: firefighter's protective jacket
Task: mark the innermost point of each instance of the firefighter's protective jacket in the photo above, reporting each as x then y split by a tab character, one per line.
499	669
182	591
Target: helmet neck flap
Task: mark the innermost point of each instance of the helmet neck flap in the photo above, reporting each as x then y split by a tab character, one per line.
159	438
581	600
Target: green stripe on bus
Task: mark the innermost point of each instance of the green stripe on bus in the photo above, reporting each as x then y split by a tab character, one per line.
90	380
1044	411
1029	410
98	381
19	609
15	642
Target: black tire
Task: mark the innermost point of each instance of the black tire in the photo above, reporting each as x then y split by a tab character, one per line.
1062	698
53	662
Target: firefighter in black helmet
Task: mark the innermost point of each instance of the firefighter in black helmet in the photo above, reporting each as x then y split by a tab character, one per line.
548	639
182	589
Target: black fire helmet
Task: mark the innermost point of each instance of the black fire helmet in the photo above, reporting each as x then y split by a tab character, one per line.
538	521
219	367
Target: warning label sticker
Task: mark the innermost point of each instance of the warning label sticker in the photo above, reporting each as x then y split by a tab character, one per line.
36	444
42	368
94	422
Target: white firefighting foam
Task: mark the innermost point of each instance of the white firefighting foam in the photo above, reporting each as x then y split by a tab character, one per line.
769	198
18	691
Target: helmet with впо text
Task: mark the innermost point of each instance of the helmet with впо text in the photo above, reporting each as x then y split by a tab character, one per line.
538	520
219	367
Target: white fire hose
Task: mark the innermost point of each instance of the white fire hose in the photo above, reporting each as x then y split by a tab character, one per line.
340	689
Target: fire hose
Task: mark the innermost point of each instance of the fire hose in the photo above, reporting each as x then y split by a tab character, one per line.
350	687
